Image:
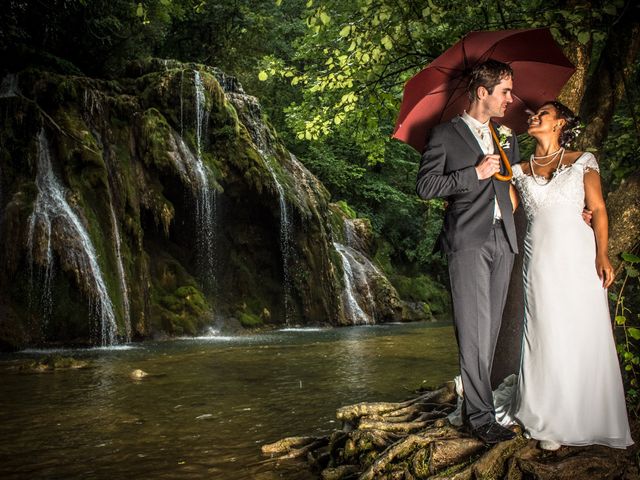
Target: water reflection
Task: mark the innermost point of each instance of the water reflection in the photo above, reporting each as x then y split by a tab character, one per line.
208	403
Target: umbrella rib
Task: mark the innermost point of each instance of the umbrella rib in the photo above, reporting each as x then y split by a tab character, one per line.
488	53
447	103
444	69
464	55
523	102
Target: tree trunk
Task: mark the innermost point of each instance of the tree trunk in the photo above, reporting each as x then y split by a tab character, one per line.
624	218
606	85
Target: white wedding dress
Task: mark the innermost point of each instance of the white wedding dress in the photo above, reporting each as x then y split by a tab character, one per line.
569	389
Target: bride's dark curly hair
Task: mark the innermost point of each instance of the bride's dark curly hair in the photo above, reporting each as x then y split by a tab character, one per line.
572	126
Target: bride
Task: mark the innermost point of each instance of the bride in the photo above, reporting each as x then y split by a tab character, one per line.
569	389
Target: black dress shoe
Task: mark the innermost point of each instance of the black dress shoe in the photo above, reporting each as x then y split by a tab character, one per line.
492	433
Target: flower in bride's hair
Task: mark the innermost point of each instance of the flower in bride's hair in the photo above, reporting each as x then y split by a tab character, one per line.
573	133
504	133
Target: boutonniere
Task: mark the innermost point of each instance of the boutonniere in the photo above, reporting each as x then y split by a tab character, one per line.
504	134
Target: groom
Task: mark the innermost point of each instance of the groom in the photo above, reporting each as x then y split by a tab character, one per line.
478	235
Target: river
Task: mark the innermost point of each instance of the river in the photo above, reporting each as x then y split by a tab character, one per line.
208	403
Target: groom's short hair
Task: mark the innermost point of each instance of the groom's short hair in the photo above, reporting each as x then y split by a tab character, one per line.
487	74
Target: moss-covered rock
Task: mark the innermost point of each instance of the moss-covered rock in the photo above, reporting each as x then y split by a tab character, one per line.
52	363
138	162
423	293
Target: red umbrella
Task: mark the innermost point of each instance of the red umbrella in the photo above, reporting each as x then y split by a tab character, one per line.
439	92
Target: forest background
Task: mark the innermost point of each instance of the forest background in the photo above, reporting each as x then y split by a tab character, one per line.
330	73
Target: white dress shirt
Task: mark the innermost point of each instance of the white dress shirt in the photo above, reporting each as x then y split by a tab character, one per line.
483	135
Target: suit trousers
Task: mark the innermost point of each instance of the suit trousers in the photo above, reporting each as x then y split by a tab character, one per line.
479	283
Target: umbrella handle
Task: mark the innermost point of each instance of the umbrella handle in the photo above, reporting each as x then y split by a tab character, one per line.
503	156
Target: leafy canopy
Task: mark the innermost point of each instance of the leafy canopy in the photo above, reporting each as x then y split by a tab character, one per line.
356	56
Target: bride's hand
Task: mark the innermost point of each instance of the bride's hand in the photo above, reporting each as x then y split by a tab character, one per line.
605	270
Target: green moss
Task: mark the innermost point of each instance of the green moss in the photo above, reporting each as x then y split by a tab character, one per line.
249	320
58	362
233	117
185	309
346	209
214	95
424	289
156	132
178	306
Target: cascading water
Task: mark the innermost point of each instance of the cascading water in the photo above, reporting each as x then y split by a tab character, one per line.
249	108
52	211
206	204
194	173
201	112
93	109
357	315
126	307
285	242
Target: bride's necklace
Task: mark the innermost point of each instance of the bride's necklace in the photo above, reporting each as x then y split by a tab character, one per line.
537	157
553	156
555	172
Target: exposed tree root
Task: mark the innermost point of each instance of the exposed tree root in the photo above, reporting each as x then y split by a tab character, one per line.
414	440
285	447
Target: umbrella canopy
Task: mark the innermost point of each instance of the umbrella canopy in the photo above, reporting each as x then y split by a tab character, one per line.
439	92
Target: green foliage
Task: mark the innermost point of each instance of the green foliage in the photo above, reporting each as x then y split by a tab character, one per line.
627	325
346	209
356	56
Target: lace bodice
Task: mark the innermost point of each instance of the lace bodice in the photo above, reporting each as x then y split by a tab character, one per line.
566	186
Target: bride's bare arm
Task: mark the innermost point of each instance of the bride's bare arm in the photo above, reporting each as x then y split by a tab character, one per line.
513	194
600	224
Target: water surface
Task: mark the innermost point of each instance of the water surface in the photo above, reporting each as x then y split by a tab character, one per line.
209	402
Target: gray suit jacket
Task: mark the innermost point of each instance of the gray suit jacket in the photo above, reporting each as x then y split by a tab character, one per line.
447	170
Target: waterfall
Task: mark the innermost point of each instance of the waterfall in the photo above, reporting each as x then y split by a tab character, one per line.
206	213
50	211
93	109
201	112
126	307
193	172
285	241
249	109
351	281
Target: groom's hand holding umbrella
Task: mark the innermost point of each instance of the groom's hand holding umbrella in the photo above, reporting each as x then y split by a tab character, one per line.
488	166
